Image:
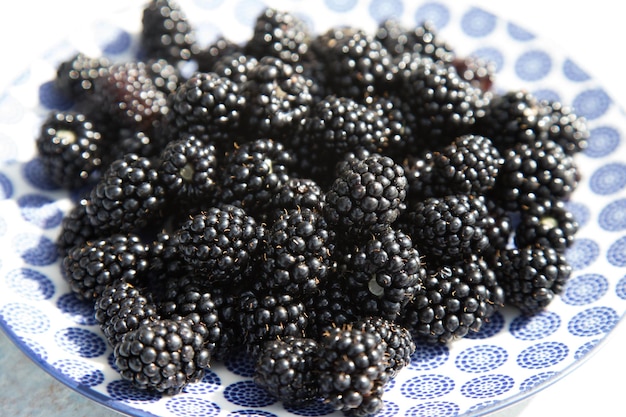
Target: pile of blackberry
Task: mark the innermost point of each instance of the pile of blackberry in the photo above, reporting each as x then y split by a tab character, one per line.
327	201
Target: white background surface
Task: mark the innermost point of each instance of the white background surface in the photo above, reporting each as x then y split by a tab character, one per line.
593	35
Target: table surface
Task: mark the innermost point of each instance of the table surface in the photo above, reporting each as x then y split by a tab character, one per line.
585	32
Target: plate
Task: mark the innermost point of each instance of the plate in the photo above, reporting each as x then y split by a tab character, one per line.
508	360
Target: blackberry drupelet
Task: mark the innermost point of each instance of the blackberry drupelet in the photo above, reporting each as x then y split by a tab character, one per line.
329	307
127	196
382	273
268	316
70	149
285	369
252	174
422	39
547	224
367	196
221	47
221	242
122	308
453	301
75	76
188	171
162	355
541	170
280	34
531	277
166	32
469	165
278	99
297	253
399	344
351	366
76	229
303	193
450	227
207	106
90	267
444	105
564	126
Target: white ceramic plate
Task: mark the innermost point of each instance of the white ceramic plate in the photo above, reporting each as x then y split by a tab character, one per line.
510	359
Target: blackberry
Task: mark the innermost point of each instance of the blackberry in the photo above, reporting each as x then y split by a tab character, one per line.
541	170
75	76
547	224
356	63
397	122
90	267
252	173
188	170
220	48
235	66
221	242
469	165
382	273
207	106
477	71
399	344
367	196
145	144
70	149
562	125
422	179
267	316
127	196
444	105
278	99
285	369
532	276
297	253
122	308
162	355
422	39
280	34
453	301
330	306
351	365
166	32
450	227
76	229
164	256
499	228
165	76
302	193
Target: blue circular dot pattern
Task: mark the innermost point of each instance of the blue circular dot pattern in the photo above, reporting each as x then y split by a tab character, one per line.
593	321
591	104
194	406
434	408
6	187
582	253
585	289
535	327
248	394
608	179
433	12
429	356
40	210
427	386
487	386
542	355
30	284
82	342
481	358
603	141
533	65
478	23
81	372
75	310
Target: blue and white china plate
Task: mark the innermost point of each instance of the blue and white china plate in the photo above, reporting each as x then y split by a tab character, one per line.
511	358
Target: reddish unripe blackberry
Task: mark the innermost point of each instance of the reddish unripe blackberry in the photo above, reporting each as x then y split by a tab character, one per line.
222	242
90	267
162	355
285	368
70	149
367	196
127	196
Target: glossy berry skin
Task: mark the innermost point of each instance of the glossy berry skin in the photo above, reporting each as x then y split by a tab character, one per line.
547	224
76	75
422	39
76	229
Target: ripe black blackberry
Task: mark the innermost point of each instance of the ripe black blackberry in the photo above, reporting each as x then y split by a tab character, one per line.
146	144
302	193
122	308
297	253
564	126
367	196
331	306
532	276
351	365
207	106
399	343
454	300
70	149
76	229
235	66
162	355
278	99
443	104
164	256
397	122
285	369
356	64
221	47
422	39
90	267
499	228
165	76
477	71
280	34
188	170
267	316
76	75
127	196
166	32
541	170
382	273
422	179
252	173
449	228
222	242
547	224
469	165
